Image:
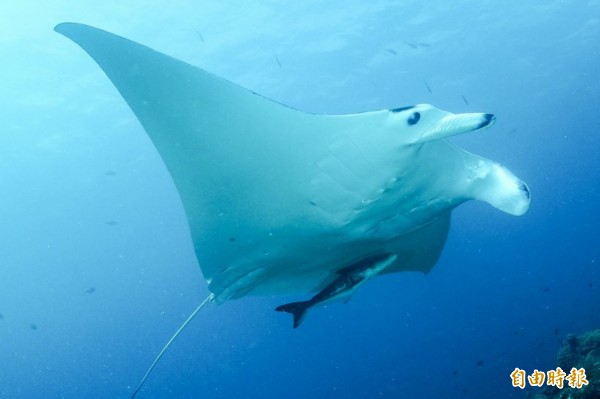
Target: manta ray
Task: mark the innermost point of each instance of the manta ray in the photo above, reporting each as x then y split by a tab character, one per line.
280	201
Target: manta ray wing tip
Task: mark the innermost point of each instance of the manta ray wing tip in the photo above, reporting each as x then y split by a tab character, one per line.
63	26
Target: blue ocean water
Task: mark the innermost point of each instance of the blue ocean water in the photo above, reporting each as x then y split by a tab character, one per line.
97	267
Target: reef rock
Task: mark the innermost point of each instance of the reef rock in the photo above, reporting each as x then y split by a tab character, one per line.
579	351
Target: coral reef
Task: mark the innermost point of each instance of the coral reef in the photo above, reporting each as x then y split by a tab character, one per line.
577	351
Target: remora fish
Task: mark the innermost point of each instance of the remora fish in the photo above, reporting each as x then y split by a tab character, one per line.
348	280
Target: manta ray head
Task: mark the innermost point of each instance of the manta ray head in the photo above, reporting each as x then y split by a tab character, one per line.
472	177
438	175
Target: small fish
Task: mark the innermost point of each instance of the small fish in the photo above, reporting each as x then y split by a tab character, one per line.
112	223
556	331
1	316
428	88
90	290
278	63
412	45
348	280
110	173
200	36
479	363
33	326
546	289
391	51
424	44
590	284
465	100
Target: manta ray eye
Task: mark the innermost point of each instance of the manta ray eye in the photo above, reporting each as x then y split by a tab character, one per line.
414	118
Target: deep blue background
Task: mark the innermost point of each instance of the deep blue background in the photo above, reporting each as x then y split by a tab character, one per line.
504	294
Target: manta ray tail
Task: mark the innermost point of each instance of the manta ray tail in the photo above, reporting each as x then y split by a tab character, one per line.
184	325
297	309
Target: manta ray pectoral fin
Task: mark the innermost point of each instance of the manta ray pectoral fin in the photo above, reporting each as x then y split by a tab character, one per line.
454	124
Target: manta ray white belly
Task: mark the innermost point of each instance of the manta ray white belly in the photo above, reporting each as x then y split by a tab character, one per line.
277	200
